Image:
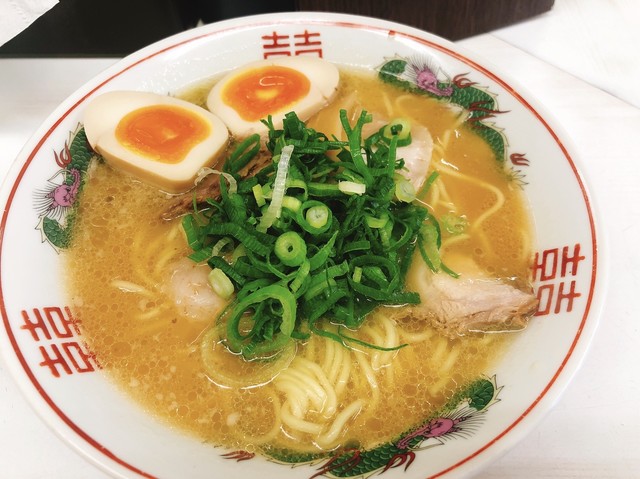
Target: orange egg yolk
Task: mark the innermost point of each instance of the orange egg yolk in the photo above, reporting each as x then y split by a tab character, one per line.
259	92
163	133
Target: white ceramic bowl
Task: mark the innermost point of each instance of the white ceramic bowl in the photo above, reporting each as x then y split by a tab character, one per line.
61	379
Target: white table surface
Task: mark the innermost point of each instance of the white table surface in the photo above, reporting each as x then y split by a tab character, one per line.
581	62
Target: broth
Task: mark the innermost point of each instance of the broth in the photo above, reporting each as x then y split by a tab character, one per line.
124	255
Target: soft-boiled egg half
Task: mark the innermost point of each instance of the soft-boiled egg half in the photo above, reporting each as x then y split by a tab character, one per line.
161	140
275	87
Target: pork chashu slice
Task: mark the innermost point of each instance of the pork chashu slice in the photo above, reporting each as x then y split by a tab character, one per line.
209	187
474	302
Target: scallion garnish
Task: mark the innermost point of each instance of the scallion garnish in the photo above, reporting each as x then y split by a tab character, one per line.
291	249
310	238
221	283
400	128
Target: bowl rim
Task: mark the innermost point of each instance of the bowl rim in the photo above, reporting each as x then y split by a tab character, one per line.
54	417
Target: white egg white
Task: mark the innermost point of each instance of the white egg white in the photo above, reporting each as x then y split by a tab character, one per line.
323	77
102	116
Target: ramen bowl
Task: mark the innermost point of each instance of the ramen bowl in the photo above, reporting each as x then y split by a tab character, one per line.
62	377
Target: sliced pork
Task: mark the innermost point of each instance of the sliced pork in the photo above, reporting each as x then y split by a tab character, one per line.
471	303
209	187
417	156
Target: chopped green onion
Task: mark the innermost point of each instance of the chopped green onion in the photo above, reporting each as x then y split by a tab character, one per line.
369	345
241	343
227	269
324	189
295	184
323	255
405	190
311	237
351	187
428	243
317	287
291	249
191	232
258	195
373	222
206	171
319	305
318	224
239	252
361	245
279	188
355	143
400	128
326	279
453	224
427	184
203	254
251	241
317	216
220	283
243	153
291	203
357	274
301	276
220	245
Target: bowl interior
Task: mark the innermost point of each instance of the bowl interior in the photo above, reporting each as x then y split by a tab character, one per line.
43	345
